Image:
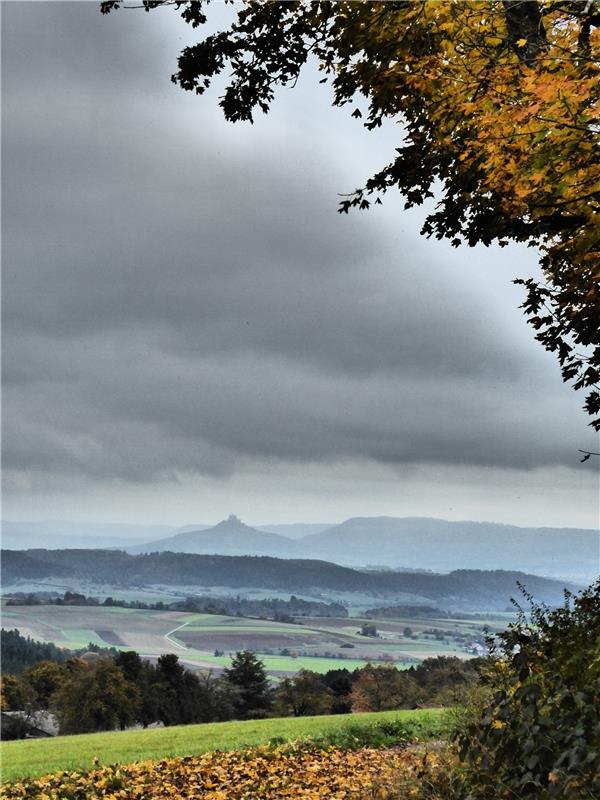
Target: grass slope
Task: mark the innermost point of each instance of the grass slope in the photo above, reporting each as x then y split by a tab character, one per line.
34	757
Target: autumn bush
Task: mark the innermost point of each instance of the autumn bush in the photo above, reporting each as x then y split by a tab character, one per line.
539	734
534	730
293	771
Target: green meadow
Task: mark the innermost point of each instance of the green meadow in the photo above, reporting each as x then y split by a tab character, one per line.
34	757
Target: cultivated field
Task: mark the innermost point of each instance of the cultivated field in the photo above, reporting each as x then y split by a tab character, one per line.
34	757
317	644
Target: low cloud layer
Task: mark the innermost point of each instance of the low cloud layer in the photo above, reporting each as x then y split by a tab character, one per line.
180	297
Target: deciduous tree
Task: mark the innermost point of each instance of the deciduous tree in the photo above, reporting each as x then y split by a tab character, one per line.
95	697
45	678
303	695
15	693
382	687
498	109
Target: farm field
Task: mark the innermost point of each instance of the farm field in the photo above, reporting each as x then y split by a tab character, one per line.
36	757
149	594
206	640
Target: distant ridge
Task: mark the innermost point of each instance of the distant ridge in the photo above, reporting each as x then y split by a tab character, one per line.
409	543
393	543
296	530
441	545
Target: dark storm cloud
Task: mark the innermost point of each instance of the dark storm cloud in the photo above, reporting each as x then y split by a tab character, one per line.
179	294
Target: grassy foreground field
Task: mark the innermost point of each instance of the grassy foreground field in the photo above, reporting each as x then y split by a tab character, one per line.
35	757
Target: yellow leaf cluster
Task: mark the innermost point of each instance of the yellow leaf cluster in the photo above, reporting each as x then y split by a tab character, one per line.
527	131
284	773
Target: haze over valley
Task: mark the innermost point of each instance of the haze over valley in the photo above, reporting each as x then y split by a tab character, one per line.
411	543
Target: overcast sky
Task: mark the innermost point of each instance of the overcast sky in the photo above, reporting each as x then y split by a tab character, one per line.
190	329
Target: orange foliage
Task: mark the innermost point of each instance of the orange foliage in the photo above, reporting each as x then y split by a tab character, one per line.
283	773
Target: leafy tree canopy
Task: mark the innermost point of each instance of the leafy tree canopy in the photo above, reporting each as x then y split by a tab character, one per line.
382	687
498	110
304	694
96	697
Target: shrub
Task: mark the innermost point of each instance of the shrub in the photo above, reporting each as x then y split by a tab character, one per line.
539	736
384	733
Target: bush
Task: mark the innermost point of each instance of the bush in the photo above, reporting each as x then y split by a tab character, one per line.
384	733
540	734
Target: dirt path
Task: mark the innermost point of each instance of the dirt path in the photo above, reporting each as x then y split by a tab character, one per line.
167	636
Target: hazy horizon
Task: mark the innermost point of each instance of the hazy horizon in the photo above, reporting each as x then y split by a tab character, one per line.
164	523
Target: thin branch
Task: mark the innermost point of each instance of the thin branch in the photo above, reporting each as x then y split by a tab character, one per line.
588	454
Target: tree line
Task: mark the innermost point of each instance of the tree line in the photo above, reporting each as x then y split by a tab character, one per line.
18	652
468	588
274	608
99	692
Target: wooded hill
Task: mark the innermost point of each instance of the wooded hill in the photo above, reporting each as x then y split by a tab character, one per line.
401	543
464	589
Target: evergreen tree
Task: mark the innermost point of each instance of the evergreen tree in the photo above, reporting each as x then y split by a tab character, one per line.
169	690
253	696
339	682
18	652
145	676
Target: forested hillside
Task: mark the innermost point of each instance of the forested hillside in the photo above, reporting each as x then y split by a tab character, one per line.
461	589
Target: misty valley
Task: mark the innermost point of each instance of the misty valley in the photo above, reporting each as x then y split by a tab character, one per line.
205	593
